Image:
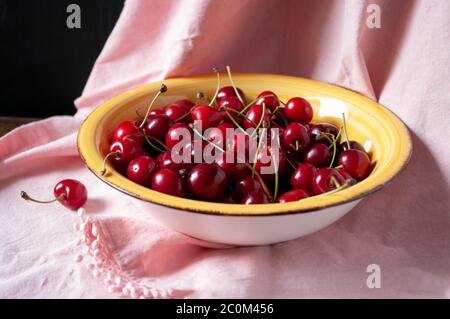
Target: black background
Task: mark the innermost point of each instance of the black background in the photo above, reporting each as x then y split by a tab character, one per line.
44	65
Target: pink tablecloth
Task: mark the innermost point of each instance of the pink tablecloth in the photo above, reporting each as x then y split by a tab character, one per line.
405	228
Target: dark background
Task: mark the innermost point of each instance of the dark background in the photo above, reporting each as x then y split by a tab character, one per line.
43	64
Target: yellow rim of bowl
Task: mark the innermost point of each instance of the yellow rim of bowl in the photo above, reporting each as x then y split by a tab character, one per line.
92	157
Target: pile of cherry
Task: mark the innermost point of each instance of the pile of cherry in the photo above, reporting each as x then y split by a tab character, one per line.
311	158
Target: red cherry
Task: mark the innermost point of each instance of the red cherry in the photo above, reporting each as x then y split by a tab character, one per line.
177	113
157	126
227	199
179	132
69	192
217	135
303	176
295	137
184	103
269	99
125	151
264	159
156	112
207	181
298	110
318	155
227	91
243	146
232	105
165	160
317	132
208	116
129	129
353	146
255	198
168	182
323	180
233	169
356	163
293	195
244	186
141	170
253	116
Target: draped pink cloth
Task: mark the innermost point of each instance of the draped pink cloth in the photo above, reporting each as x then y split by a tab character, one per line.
405	228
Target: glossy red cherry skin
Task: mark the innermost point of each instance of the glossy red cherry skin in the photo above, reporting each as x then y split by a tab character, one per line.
177	113
179	132
208	116
127	150
322	181
243	146
129	129
168	182
184	103
228	91
302	177
156	112
295	137
356	163
157	126
233	169
232	105
207	181
75	193
298	110
244	186
293	195
318	155
253	116
255	198
353	145
317	131
218	134
269	99
164	160
141	170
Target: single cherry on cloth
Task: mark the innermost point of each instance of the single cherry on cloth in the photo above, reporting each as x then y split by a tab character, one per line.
141	170
228	91
327	179
69	192
269	99
293	195
207	181
157	126
128	129
295	137
165	160
318	133
168	182
318	155
302	177
232	168
254	114
255	198
356	163
177	133
244	186
298	110
208	116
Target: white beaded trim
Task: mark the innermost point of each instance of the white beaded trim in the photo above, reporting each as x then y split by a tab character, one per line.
100	261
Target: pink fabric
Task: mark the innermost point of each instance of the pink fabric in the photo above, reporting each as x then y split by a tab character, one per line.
405	228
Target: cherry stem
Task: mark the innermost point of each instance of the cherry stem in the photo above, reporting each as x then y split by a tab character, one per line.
103	170
260	120
147	138
234	86
238	113
139	114
290	163
256	156
218	87
345	130
162	89
335	182
206	140
181	117
25	196
275	192
236	123
346	184
252	102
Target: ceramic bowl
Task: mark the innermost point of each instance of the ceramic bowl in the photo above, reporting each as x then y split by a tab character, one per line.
382	134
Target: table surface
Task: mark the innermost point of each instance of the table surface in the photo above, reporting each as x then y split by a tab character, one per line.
7	124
